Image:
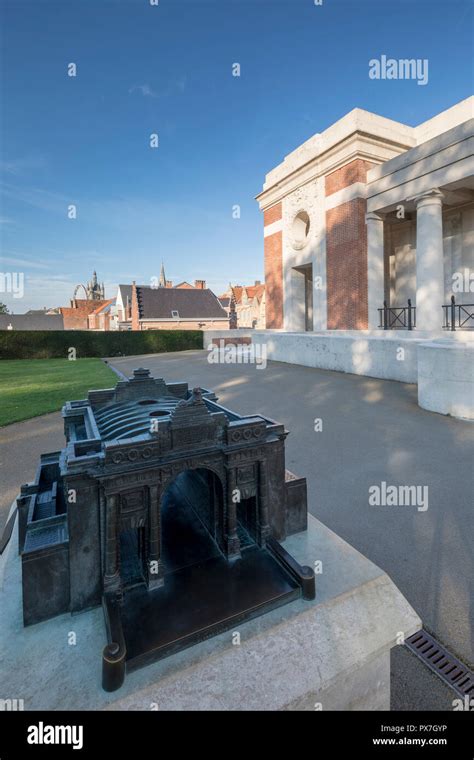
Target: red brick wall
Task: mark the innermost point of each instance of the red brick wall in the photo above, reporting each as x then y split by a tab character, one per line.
274	281
272	214
356	171
346	251
77	318
346	265
273	253
232	341
73	319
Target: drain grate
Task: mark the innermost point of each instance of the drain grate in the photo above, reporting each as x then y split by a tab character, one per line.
442	662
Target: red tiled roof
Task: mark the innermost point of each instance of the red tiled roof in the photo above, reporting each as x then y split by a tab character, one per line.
103	305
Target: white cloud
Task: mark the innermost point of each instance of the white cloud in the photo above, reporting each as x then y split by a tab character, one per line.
37	197
17	262
20	166
50	291
145	90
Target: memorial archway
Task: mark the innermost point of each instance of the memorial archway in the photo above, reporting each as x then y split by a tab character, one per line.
192	520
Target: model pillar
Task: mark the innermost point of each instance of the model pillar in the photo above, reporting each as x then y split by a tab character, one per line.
232	539
155	565
112	570
263	528
429	260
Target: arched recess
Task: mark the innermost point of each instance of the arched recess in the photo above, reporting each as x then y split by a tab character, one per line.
192	520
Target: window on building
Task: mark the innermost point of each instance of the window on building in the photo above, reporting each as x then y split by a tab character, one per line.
300	229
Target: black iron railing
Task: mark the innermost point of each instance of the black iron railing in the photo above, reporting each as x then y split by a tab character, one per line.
397	317
458	316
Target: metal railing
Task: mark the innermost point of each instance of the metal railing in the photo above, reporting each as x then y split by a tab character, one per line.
397	317
458	316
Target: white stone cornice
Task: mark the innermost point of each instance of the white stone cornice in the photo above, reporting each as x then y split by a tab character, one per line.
357	145
357	122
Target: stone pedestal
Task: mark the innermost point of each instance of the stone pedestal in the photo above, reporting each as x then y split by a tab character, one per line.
330	653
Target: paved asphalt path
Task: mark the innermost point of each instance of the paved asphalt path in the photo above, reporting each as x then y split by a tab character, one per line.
372	431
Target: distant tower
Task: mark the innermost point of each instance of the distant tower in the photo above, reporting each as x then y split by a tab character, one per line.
92	291
95	292
232	311
162	280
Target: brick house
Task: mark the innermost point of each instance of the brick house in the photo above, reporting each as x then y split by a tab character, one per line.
100	318
249	303
121	312
176	309
76	316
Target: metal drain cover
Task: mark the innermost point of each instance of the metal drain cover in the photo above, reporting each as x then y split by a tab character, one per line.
442	662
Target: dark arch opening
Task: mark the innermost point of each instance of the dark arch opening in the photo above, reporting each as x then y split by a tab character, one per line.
192	519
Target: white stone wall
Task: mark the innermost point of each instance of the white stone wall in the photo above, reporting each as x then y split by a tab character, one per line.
311	199
446	378
403	264
443	369
445	120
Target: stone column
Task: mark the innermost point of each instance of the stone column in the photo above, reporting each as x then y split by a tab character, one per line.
263	527
375	268
154	565
429	260
112	582
233	543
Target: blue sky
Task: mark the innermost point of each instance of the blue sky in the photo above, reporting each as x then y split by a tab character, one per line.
167	69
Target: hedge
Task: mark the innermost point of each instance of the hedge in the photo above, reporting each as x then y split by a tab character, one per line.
55	344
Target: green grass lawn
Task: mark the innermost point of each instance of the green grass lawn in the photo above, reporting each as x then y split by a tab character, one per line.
30	387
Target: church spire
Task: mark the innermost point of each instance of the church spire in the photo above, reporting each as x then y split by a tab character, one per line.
162	280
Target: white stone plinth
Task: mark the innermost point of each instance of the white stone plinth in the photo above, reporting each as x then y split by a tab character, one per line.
446	378
333	651
388	355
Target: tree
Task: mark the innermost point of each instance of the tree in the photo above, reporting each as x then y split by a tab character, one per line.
3	308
